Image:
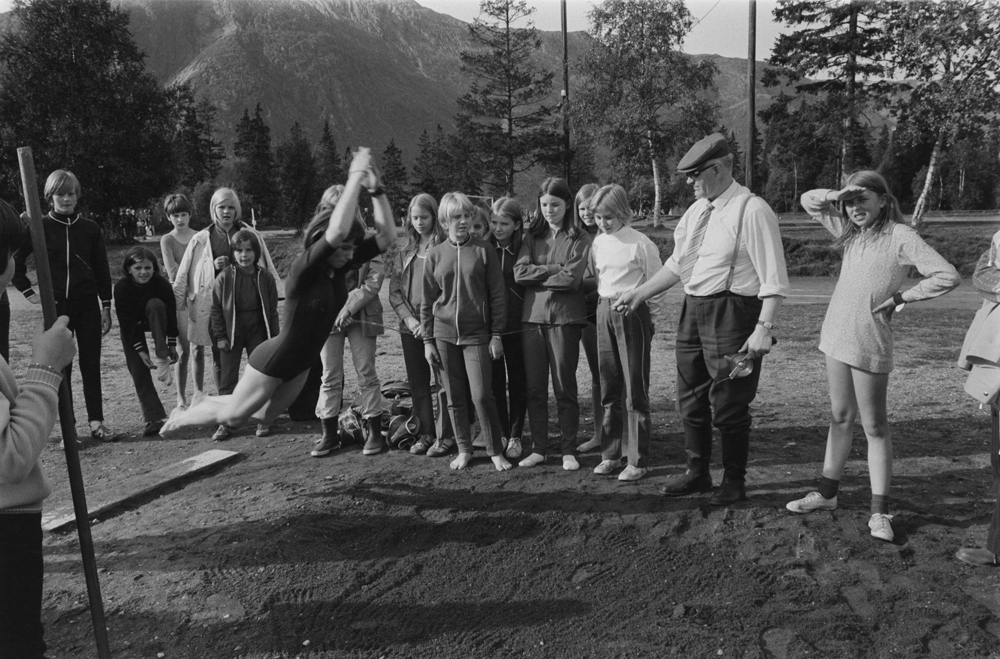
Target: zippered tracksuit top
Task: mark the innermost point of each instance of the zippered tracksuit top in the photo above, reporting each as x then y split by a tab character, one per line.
464	296
78	263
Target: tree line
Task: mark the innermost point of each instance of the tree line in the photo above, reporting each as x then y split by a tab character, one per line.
906	88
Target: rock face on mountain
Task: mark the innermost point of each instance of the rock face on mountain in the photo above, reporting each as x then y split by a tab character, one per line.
378	69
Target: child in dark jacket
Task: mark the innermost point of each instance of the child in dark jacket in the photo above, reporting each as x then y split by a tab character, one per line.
78	262
463	312
144	301
244	313
509	380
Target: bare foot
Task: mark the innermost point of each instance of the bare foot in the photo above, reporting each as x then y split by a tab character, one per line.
173	422
462	461
501	463
532	460
570	463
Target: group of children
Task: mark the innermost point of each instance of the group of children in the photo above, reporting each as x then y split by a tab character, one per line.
489	307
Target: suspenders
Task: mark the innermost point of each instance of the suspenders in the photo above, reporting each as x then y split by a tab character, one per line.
739	234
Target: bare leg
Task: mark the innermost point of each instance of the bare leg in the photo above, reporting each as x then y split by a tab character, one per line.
871	392
252	391
198	353
844	410
183	356
283	396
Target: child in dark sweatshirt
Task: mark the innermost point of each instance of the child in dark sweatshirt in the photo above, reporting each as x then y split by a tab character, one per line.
78	262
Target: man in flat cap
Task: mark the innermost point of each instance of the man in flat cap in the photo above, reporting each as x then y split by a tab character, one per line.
728	255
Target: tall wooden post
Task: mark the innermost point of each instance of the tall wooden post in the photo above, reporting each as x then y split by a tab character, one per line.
565	97
751	92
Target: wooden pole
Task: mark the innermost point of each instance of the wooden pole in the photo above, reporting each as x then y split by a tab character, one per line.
565	97
67	421
751	92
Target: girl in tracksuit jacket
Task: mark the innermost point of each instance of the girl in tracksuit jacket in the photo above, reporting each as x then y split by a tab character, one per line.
509	379
463	313
244	308
78	263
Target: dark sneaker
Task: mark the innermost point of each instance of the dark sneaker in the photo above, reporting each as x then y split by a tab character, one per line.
441	447
103	433
423	443
152	428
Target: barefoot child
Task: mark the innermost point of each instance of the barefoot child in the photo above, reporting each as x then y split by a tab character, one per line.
405	290
27	415
622	258
879	249
314	295
244	314
551	267
509	379
144	302
178	210
81	278
463	313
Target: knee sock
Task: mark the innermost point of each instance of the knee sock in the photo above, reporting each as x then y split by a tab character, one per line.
828	487
880	504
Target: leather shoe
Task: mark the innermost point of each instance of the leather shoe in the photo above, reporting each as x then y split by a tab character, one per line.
687	483
728	493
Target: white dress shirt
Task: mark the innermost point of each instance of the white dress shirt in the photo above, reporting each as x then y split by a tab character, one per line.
760	263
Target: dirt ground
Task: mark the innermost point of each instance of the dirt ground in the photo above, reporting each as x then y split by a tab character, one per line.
285	555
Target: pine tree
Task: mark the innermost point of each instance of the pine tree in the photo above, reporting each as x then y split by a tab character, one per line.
255	171
844	46
296	177
197	153
394	178
504	114
329	168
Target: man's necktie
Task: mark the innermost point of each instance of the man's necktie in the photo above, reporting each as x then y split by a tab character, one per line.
694	242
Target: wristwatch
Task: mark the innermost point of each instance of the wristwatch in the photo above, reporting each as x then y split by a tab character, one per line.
767	325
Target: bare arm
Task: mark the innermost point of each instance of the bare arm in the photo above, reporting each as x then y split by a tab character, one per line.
347	206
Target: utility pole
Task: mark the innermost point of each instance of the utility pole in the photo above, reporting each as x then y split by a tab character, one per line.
565	96
751	92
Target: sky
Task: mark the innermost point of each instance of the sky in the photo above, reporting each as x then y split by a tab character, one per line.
722	28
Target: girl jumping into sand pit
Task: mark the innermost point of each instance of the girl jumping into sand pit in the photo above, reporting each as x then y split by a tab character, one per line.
856	337
315	292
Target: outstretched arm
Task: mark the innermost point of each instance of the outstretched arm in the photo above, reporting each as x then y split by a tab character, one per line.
347	206
385	224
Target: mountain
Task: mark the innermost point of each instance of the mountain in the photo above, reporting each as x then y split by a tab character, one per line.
378	69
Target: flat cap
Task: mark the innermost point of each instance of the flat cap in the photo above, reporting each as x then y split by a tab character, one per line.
708	148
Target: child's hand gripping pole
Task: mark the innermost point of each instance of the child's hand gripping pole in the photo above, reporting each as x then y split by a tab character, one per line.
66	418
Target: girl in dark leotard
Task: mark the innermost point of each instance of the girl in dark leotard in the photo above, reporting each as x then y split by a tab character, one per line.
314	295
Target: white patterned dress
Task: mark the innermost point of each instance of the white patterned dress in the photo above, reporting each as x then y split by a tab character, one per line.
874	268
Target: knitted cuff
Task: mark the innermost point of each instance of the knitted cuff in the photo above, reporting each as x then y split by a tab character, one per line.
44	374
